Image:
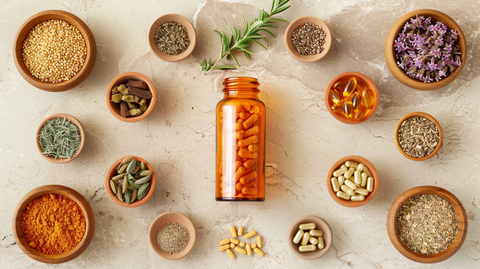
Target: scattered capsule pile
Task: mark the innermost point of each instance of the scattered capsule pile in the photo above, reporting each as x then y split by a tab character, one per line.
239	246
351	98
352	181
309	238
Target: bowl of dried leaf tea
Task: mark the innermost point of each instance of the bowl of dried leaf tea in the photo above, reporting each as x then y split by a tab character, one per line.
427	224
172	37
60	138
418	136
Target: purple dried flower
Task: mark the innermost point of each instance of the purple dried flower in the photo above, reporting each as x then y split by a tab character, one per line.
432	66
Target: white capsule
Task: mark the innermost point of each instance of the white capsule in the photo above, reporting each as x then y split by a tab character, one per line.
367	171
313	240
358	177
357	198
335	184
341	179
342	195
307	226
351	164
298	236
350	184
316	233
340	171
321	243
361	191
360	167
349	173
370	184
364	180
305	238
307	248
347	190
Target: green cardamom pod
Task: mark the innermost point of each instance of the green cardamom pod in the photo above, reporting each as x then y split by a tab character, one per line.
118	177
119	193
131	183
143	166
113	187
127	197
137	168
117	98
134	195
143	190
124	184
146	173
131	166
122	168
143	179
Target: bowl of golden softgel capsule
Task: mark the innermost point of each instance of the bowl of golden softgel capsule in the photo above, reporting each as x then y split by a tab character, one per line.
53	224
352	97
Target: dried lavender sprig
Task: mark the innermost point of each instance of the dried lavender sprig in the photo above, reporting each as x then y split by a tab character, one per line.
59	138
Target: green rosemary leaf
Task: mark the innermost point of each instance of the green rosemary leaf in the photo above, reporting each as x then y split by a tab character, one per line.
260	44
266	31
225	67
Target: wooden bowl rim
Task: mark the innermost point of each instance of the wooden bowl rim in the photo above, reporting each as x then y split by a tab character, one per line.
459	210
367	81
191	35
123	78
177	218
424	115
327	236
301	21
53	258
113	170
73	120
370	167
389	52
77	23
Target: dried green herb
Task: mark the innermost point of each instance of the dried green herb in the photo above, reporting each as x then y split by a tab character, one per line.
418	136
132	181
426	224
59	138
172	38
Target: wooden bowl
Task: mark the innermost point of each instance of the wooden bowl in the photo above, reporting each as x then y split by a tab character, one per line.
112	171
427	116
367	82
321	225
461	217
178	19
53	258
164	219
390	53
73	20
291	48
72	120
357	159
122	79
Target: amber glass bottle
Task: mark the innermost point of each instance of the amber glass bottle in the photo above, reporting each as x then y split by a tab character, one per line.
240	161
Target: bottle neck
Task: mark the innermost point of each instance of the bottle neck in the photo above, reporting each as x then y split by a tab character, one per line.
242	87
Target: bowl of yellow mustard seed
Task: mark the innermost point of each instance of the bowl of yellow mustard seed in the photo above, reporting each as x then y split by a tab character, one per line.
54	50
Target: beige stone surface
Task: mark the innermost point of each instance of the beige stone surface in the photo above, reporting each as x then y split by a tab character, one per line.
178	138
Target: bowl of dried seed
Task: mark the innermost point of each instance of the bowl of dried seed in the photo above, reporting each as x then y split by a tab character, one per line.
427	224
172	235
130	181
418	136
172	37
131	97
308	39
54	50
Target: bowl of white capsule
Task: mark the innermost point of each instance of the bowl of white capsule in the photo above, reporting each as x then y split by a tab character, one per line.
309	237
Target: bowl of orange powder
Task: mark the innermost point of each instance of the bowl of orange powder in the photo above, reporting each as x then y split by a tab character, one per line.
53	224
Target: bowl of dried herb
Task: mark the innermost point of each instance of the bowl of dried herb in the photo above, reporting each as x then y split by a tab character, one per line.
60	138
418	136
172	37
425	49
427	224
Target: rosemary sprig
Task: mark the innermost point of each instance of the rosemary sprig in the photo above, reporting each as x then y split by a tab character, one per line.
239	42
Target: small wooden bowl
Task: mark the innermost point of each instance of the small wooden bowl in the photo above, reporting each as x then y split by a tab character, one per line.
122	79
72	120
178	19
321	225
73	20
367	82
390	52
357	159
457	241
164	219
429	117
291	48
53	258
112	171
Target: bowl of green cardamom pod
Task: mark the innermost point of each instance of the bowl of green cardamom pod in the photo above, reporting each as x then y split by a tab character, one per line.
130	181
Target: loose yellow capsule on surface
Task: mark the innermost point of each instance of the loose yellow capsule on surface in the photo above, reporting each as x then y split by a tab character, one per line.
250	234
224	242
370	184
259	251
342	195
224	247
233	231
321	243
298	236
240	229
335	185
249	250
307	248
232	245
313	240
305	238
254	246
235	241
307	226
316	233
230	253
240	250
242	244
259	241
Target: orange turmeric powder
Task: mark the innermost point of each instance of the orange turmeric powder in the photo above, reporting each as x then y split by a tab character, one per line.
53	223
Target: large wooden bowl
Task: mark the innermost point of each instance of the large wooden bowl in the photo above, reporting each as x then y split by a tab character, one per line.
73	20
321	224
53	258
390	52
461	217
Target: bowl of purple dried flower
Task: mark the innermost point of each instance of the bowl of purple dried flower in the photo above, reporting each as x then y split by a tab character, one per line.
425	49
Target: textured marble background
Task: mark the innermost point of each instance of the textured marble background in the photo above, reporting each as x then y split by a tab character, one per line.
178	138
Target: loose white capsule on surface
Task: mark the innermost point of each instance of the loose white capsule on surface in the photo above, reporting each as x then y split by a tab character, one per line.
350	184
298	236
305	238
367	171
341	179
370	184
360	167
347	190
307	226
340	171
321	243
358	177
342	195
335	185
357	198
349	173
307	248
351	164
316	233
364	179
313	240
361	191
